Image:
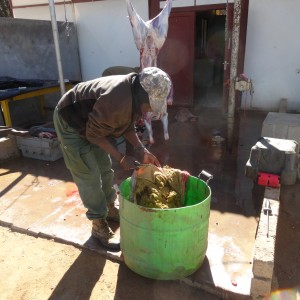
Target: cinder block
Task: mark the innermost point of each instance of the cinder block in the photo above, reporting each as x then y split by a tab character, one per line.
273	194
282	126
264	247
260	288
283	105
40	148
274	156
263	261
8	148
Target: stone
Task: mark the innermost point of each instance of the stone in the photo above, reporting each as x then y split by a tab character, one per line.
274	156
8	148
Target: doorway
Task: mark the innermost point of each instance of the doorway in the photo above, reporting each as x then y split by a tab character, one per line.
209	57
204	43
193	55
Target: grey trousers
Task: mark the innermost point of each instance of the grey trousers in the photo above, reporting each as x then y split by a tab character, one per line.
90	166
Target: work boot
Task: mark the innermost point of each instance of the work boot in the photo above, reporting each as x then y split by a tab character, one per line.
104	234
113	212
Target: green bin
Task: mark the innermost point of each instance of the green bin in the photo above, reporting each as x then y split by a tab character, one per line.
165	244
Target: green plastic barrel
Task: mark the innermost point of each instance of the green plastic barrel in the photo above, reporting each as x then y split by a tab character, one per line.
165	244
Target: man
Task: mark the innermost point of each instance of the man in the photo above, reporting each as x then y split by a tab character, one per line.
120	70
85	119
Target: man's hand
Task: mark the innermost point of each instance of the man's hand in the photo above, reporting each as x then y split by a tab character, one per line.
127	162
149	158
140	150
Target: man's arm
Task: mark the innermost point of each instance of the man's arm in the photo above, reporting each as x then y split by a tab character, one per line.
126	162
140	149
133	139
105	144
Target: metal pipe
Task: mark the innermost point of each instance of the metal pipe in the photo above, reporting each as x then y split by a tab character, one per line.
233	71
56	44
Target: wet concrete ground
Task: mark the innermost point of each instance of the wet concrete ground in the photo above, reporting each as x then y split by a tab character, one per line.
39	197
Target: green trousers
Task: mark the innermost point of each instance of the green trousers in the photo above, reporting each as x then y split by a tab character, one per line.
90	166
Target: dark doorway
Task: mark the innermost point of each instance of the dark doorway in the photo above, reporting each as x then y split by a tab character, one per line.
209	58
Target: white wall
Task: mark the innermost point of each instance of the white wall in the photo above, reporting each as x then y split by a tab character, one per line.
43	12
28	2
105	35
273	53
272	48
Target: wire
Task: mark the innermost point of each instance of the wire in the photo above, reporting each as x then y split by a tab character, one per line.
245	105
66	23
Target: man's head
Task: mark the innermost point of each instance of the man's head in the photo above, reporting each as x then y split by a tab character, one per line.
158	86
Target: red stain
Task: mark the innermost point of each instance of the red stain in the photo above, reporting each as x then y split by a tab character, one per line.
233	282
71	189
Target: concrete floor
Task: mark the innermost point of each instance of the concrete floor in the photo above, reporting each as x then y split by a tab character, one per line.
38	197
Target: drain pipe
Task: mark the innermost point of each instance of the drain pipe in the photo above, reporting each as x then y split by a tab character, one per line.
233	72
56	44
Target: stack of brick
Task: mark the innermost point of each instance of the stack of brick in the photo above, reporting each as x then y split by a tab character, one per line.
264	248
8	148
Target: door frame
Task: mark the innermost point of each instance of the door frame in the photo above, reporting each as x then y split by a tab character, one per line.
154	9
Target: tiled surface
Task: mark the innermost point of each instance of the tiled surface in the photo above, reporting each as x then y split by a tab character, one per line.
40	197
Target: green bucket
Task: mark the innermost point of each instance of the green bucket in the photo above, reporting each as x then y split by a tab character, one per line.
165	244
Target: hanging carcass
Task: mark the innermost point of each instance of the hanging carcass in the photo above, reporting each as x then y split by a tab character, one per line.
149	38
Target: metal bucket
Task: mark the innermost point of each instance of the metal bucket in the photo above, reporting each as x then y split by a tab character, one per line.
165	244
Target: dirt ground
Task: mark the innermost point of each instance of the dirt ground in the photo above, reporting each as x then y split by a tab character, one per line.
36	269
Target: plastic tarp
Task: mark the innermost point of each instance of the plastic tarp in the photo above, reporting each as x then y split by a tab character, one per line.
10	87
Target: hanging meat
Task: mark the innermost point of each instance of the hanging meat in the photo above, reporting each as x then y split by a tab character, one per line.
149	37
